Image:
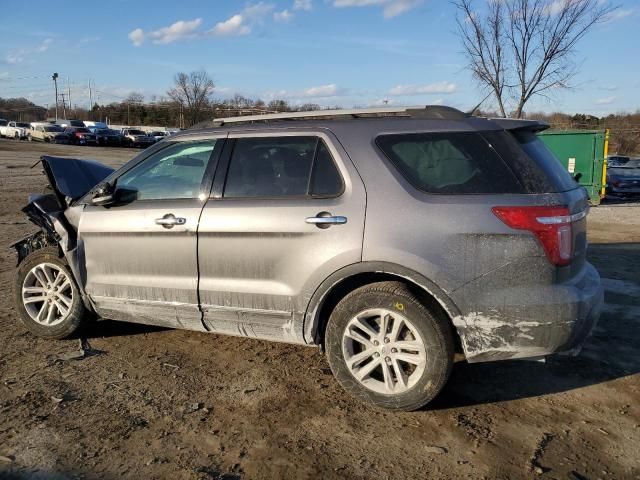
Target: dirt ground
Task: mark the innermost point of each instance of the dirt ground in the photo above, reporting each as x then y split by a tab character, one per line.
154	403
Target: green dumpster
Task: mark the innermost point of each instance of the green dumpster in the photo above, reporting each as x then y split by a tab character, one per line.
582	152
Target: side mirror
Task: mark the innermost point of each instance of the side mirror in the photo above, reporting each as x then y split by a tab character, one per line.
104	195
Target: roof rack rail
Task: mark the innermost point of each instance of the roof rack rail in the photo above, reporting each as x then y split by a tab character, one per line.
427	112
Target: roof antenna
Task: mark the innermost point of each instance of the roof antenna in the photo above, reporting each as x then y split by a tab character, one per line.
473	110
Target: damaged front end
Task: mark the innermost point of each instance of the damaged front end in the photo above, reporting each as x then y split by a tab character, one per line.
56	213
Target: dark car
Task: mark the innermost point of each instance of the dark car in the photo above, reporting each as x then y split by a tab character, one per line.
624	179
106	136
617	160
81	136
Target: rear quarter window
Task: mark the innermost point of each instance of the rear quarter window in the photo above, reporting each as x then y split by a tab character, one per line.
557	175
449	163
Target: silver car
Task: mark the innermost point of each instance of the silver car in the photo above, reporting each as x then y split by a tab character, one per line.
390	238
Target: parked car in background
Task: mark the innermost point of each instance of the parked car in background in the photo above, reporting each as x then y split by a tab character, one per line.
132	137
80	136
158	135
624	179
89	123
47	133
617	160
3	127
106	136
390	242
17	130
64	123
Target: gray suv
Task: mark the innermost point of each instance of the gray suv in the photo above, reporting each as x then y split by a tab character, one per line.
390	238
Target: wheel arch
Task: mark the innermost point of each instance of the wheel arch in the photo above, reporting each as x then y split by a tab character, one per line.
339	284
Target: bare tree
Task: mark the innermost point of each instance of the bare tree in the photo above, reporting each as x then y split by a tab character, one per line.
193	92
519	49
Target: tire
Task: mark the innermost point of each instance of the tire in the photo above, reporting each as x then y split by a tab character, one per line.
63	325
417	323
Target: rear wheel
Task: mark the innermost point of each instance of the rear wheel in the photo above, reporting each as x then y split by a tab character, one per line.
46	295
387	348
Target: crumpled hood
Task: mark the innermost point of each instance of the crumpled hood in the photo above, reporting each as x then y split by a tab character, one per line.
71	178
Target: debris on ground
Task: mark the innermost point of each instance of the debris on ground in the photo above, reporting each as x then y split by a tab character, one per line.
83	352
435	449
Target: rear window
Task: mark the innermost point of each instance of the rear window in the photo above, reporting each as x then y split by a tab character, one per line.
449	163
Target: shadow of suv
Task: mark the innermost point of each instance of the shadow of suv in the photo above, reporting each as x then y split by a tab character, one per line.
389	237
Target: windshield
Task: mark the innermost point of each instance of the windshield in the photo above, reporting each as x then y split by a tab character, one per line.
22	125
136	132
53	129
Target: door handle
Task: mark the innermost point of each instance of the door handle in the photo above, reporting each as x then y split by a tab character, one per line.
325	220
169	220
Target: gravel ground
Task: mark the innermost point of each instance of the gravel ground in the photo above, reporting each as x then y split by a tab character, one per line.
155	403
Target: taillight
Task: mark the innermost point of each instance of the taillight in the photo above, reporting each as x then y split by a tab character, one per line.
551	225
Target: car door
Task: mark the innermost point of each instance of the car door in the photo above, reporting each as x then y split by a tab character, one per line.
140	252
288	213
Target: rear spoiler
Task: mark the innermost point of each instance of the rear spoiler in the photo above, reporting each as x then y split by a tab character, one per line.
514	124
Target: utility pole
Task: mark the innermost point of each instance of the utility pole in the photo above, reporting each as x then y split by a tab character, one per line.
54	77
69	96
128	116
90	102
64	108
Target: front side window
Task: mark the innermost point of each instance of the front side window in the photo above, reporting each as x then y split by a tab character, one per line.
172	173
449	163
275	167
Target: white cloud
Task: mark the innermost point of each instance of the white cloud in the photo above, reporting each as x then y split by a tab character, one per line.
431	88
235	25
4	75
18	55
136	36
330	90
305	5
14	57
179	30
619	14
609	88
605	101
390	8
283	16
243	22
176	31
44	46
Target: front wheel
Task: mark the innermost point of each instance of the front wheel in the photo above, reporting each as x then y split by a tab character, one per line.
388	348
46	295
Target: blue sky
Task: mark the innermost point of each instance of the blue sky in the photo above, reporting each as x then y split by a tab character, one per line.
331	52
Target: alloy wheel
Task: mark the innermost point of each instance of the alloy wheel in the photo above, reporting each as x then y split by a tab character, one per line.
384	351
47	294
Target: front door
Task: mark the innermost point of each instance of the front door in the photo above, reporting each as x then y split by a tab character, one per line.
141	252
288	213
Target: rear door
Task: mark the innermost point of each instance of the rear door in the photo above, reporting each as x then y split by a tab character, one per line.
288	213
141	252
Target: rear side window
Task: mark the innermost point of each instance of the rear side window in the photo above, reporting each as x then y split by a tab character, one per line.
560	179
276	167
449	163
